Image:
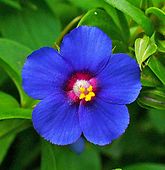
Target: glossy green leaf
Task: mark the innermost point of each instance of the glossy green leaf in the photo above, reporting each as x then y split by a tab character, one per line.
157	65
145	166
7	101
119	19
100	18
117	16
149	79
48	157
154	98
9	108
157	118
32	27
12	57
144	48
136	14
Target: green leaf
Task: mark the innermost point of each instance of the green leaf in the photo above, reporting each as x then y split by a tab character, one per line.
4	145
15	4
48	157
32	27
154	98
61	10
118	17
7	101
27	148
9	108
99	17
157	118
145	166
86	4
157	65
144	48
136	14
13	126
13	113
149	79
159	41
161	17
65	159
12	57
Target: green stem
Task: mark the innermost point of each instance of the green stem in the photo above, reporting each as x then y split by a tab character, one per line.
65	31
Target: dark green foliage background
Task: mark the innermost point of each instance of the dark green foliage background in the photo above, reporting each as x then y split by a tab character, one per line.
136	27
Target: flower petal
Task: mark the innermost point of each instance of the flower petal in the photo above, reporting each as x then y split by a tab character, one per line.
43	72
56	120
102	122
86	48
119	82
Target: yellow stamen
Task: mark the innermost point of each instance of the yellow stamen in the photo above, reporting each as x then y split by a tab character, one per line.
82	96
82	89
86	93
88	97
90	88
92	94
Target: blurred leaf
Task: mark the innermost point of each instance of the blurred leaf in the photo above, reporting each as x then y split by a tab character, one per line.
148	78
157	2
32	27
7	101
160	15
3	77
12	126
12	3
136	14
157	118
157	65
68	160
4	145
154	98
86	4
144	48
158	12
160	42
26	151
12	57
145	166
61	10
48	157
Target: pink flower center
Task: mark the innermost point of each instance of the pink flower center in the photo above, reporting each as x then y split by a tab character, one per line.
81	86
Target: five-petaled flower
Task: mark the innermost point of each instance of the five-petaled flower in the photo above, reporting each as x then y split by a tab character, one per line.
83	88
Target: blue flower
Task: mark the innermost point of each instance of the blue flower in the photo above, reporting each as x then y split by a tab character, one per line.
83	88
